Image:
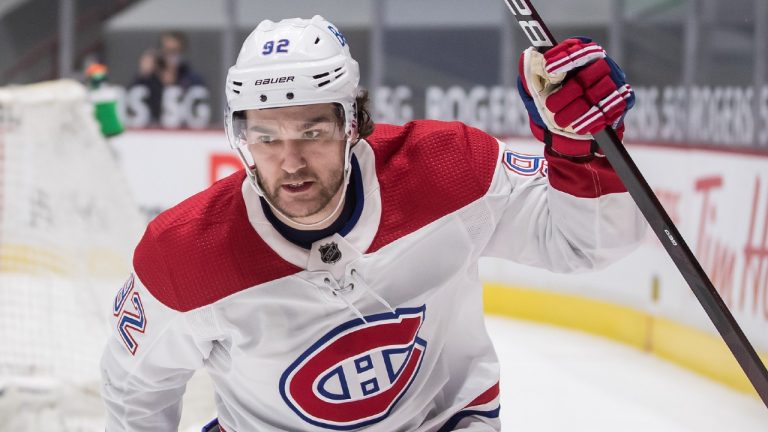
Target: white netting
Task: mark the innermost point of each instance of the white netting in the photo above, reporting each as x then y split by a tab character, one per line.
67	228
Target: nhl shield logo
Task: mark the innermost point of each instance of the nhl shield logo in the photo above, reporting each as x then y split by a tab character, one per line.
330	253
355	375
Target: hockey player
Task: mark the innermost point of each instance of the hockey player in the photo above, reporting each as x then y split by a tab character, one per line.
333	283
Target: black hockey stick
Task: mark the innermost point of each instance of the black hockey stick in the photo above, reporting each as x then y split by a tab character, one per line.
540	37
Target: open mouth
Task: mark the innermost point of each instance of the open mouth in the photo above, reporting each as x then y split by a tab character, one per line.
298	187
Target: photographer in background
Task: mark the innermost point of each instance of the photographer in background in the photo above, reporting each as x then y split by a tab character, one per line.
165	66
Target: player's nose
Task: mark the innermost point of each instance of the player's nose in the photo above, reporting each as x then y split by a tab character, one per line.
293	157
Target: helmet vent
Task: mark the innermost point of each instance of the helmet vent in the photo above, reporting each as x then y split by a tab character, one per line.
237	83
328	77
317	40
236	91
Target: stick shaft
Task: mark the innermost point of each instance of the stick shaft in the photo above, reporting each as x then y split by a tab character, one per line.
660	222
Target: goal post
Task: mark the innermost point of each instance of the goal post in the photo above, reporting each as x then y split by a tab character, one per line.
68	224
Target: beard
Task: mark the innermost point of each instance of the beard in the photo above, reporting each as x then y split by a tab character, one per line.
326	189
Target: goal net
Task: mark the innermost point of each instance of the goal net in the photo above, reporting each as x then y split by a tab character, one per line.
67	228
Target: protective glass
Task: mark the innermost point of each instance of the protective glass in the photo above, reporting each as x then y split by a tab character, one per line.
267	132
312	131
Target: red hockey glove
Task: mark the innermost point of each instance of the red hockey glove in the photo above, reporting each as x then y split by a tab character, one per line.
572	91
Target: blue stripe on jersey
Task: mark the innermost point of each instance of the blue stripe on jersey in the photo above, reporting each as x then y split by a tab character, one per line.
453	421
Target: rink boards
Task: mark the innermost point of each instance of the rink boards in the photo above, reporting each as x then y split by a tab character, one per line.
719	201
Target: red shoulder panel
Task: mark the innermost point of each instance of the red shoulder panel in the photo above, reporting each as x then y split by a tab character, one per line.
205	249
426	170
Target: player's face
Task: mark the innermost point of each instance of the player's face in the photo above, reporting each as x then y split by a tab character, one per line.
299	156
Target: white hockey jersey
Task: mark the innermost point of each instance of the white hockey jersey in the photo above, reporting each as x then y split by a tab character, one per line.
378	327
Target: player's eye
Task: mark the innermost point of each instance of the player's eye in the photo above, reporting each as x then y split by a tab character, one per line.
312	134
265	139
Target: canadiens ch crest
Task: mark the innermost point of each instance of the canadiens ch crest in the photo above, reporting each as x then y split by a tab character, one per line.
330	253
355	374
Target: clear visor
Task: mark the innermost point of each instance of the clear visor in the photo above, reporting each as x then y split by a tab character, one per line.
253	131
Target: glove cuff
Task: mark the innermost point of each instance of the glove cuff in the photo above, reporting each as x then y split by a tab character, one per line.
591	179
576	150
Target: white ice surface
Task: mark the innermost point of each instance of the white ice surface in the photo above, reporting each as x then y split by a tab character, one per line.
554	379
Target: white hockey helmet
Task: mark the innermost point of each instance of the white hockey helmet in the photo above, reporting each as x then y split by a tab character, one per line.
293	62
288	63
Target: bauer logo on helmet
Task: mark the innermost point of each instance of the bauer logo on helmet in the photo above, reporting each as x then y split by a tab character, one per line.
280	80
